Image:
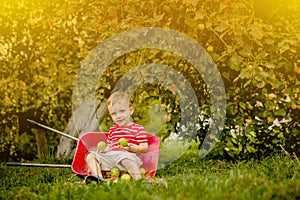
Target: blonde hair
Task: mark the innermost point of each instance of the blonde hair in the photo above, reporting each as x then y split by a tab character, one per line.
116	97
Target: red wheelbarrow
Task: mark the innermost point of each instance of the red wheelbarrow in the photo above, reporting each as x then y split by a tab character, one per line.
88	142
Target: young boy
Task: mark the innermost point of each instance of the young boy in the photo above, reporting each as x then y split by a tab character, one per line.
114	155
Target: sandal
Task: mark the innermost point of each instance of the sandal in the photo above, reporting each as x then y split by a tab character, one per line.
92	179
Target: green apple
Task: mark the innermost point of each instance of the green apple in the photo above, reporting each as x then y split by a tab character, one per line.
101	146
201	27
123	142
115	172
143	171
210	49
125	177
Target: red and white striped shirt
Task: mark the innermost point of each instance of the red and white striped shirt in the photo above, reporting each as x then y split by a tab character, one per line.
134	133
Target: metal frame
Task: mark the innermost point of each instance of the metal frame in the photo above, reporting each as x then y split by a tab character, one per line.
43	165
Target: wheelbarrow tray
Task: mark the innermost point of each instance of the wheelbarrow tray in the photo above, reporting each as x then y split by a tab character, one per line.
88	141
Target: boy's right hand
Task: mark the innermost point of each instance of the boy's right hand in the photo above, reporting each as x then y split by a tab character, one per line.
101	151
107	149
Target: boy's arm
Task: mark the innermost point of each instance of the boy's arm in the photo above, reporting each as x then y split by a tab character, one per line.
108	147
141	148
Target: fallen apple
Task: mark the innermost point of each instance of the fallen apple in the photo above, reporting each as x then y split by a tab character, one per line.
125	177
115	172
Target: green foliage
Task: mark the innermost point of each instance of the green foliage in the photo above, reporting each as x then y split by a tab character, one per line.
36	76
156	106
43	43
276	177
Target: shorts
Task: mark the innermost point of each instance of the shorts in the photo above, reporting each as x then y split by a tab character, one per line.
113	159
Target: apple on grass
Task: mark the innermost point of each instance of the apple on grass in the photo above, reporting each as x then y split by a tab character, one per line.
125	177
123	142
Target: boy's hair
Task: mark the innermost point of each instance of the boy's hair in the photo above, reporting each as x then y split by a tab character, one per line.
116	96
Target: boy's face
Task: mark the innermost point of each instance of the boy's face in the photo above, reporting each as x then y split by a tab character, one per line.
120	112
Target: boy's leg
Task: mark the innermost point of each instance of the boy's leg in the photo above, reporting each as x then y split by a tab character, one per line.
132	168
93	165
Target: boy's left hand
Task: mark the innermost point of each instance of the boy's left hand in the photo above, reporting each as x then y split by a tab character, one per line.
130	147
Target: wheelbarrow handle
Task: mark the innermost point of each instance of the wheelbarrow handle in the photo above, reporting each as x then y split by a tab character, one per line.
37	165
51	129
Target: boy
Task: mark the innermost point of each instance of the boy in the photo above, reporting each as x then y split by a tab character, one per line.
114	155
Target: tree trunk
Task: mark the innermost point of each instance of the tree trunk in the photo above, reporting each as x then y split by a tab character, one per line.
41	141
86	118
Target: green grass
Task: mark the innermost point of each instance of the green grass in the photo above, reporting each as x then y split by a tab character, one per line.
276	177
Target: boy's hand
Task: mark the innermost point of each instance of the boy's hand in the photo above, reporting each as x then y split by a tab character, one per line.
141	148
107	149
101	151
124	148
130	147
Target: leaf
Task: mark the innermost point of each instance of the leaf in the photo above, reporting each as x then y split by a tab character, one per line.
247	83
245	52
252	133
283	46
270	41
255	31
235	62
236	79
233	135
199	15
223	5
270	65
245	74
190	22
242	105
241	5
280	112
250	148
221	27
261	55
158	17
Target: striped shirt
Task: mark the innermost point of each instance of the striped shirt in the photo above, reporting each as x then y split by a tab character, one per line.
134	133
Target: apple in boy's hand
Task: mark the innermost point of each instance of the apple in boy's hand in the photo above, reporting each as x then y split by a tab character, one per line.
101	146
115	172
123	142
125	177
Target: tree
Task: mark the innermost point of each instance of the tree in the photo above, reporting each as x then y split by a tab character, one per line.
41	52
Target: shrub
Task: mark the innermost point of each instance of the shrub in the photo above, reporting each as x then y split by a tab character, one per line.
44	43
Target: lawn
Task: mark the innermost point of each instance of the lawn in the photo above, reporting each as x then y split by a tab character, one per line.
275	177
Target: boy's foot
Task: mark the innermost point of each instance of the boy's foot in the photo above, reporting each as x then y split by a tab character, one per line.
92	179
95	178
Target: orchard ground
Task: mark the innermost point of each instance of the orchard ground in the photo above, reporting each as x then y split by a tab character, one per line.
274	177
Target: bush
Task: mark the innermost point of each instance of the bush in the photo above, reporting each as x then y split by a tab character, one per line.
44	43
